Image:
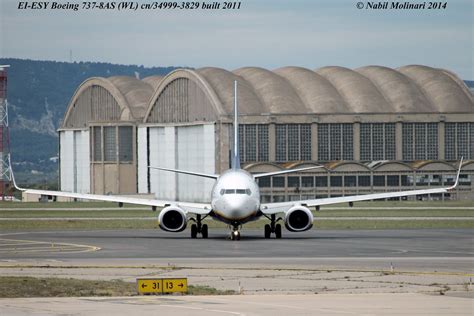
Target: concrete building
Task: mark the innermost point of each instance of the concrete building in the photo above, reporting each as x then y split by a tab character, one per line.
374	128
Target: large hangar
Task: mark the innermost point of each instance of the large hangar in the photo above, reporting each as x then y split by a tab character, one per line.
374	128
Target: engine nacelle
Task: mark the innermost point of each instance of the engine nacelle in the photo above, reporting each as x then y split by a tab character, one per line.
172	219
298	219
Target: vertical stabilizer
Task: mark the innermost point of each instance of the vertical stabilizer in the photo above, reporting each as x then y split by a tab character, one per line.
235	152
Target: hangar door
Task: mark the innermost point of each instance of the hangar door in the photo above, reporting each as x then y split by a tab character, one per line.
190	148
74	161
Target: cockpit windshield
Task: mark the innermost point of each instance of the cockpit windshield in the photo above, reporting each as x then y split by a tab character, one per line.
236	191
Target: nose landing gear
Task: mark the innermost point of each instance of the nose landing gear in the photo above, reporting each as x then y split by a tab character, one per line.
273	227
199	228
235	233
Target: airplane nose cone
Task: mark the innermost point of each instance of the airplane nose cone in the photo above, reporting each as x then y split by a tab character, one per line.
236	207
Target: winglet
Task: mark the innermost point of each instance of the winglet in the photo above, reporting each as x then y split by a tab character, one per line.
457	176
12	176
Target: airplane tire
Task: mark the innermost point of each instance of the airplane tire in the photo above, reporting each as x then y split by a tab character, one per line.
204	231
238	236
268	231
278	231
194	231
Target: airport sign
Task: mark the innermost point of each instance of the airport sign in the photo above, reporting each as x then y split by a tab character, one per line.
162	286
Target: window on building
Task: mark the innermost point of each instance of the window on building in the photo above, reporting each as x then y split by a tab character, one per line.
471	140
323	142
419	141
110	145
278	182
436	179
293	182
253	142
407	141
293	197
377	141
336	181
125	143
293	142
335	142
97	132
321	181
390	144
393	181
406	180
364	181
379	181
250	142
463	140
307	182
366	141
422	179
280	131
465	179
262	143
278	198
449	179
350	181
347	142
432	141
106	137
305	136
450	141
335	135
264	182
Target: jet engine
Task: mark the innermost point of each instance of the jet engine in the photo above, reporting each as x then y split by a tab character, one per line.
172	219
298	219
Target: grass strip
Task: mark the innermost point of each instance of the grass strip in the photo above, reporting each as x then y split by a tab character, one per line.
14	287
145	224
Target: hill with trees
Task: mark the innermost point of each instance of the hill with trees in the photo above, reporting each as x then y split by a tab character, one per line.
38	94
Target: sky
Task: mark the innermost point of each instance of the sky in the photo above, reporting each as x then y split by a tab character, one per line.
266	33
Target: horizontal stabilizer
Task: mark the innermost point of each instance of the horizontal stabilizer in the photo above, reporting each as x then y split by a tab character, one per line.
198	174
269	174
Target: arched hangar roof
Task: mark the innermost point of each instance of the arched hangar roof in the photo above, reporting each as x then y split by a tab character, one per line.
118	98
296	90
187	95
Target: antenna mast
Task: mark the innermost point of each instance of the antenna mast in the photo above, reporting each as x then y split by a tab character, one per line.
5	177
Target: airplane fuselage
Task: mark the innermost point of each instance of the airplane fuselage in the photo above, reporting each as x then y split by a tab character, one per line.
235	197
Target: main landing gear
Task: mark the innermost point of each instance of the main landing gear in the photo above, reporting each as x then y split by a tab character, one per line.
273	227
199	228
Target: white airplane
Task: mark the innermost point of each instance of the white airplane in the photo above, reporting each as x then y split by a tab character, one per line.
235	200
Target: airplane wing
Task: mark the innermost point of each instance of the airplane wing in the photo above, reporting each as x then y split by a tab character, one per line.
188	207
282	207
195	208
